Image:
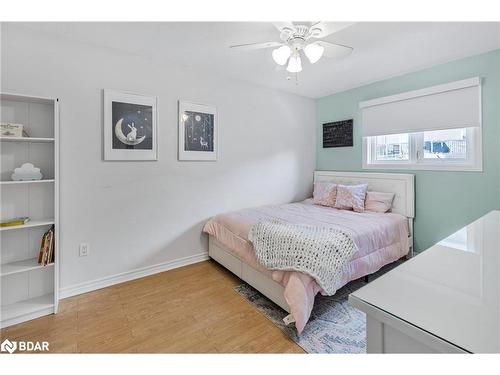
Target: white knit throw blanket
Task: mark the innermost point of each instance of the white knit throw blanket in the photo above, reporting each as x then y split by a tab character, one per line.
319	252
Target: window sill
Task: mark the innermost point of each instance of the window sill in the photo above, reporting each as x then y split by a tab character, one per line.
426	167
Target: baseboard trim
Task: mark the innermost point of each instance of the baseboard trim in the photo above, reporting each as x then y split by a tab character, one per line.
104	282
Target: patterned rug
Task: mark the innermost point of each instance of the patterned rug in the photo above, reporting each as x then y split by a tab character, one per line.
334	326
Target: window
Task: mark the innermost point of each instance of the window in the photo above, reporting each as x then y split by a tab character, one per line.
450	149
435	128
445	144
394	147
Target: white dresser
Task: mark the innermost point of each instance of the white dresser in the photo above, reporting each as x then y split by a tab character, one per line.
446	299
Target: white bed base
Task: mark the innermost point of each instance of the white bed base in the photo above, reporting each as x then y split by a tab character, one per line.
260	281
404	203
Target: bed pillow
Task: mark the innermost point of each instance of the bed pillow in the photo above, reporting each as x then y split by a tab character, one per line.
324	194
378	202
351	197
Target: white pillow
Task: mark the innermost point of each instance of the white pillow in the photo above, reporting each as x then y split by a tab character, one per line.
378	202
351	197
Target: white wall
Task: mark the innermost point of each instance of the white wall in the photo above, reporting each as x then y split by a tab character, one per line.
137	214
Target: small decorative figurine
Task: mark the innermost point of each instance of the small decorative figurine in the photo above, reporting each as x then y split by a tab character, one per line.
27	172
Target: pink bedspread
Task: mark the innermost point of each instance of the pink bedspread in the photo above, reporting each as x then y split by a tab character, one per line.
380	239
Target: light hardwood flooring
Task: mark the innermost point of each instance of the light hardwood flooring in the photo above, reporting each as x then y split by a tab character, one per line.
193	309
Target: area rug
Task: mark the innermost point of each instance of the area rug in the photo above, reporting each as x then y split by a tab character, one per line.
334	326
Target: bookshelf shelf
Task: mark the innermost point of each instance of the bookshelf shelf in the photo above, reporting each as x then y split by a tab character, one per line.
29	308
30	224
26	182
27	139
22	266
29	290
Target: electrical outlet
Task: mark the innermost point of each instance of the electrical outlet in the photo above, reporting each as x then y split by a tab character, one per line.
84	249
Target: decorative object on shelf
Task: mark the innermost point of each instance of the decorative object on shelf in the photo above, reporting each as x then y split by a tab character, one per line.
130	126
303	38
26	172
338	134
9	129
14	222
197	132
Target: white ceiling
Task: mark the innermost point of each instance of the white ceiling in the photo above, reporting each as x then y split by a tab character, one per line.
381	50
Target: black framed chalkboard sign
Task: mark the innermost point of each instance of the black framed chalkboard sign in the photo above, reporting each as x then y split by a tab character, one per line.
337	134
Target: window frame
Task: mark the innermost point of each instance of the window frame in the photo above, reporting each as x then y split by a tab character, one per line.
373	148
473	163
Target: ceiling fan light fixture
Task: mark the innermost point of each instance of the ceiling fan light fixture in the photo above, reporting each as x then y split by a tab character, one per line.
294	64
281	55
314	52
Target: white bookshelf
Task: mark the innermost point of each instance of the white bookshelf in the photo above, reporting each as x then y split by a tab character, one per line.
21	266
30	224
27	139
27	309
27	289
27	182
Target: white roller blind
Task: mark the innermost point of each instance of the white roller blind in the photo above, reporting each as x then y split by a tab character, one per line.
452	105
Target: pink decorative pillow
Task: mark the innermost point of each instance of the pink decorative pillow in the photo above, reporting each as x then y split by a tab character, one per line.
324	193
351	197
378	202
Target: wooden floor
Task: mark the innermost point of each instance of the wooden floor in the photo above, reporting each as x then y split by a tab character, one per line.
192	309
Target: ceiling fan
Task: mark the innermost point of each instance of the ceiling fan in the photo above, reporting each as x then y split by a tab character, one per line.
302	38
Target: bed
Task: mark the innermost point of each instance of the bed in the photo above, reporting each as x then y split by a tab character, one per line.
380	238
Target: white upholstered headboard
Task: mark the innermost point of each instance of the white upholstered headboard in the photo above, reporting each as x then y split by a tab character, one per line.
400	184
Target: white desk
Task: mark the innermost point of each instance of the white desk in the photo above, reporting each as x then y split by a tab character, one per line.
446	299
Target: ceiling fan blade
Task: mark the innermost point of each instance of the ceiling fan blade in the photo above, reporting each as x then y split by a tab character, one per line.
328	28
252	46
336	51
282	25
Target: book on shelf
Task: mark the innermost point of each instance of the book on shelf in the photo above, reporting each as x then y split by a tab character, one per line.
42	248
46	254
14	222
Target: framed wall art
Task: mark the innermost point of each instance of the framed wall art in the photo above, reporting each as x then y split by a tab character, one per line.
197	132
338	134
130	126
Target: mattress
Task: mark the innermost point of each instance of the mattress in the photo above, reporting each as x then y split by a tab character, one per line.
380	238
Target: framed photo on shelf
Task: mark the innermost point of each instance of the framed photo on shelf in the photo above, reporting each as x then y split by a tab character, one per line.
197	132
130	126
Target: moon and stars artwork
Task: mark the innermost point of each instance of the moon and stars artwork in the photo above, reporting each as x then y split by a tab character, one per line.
132	126
199	131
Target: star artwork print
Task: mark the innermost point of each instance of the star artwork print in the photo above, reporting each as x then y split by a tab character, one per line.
199	131
132	126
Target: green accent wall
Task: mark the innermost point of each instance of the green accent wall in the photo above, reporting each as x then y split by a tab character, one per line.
445	201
